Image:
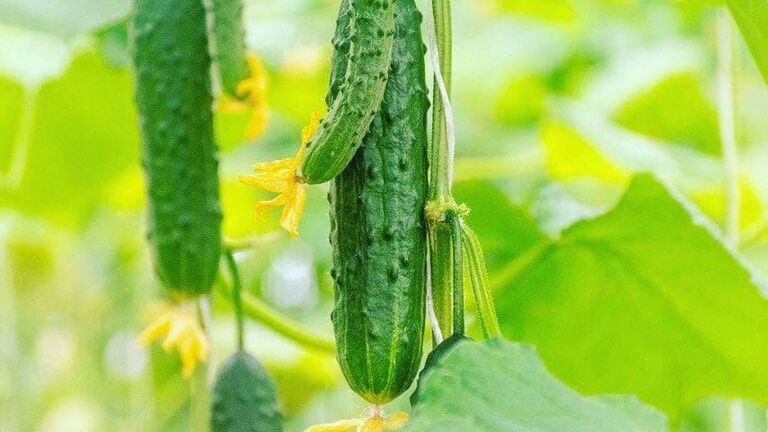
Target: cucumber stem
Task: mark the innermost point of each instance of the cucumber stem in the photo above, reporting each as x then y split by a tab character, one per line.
259	311
198	385
454	221
443	135
439	35
237	300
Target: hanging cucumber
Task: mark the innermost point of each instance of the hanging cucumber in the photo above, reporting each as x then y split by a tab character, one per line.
370	40
173	95
378	230
229	43
244	398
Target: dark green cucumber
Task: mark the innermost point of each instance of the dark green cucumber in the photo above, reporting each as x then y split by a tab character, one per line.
378	231
173	95
244	398
372	28
228	42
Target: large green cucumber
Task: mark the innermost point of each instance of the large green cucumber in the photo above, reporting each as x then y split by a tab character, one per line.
229	47
372	28
378	231
173	95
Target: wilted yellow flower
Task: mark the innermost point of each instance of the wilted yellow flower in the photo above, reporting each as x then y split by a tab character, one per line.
180	326
281	177
252	94
376	422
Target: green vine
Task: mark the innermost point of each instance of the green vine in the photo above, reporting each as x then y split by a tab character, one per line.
259	311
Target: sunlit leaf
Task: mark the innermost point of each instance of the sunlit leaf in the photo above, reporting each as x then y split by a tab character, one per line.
497	385
674	110
752	18
504	230
12	96
63	18
643	300
84	133
569	155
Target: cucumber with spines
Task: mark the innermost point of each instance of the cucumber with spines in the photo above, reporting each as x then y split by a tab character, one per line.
378	231
229	47
173	96
244	397
372	29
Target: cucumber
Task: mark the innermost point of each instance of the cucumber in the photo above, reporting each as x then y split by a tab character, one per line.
173	95
378	232
371	38
229	43
244	398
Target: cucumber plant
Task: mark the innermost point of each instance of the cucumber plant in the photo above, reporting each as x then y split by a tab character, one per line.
368	59
377	226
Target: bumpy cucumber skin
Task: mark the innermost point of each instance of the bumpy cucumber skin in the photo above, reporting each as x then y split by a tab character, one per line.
378	232
173	95
370	54
229	43
244	398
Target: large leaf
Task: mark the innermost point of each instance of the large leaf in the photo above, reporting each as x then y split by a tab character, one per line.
643	300
501	386
83	134
752	18
62	18
504	230
674	110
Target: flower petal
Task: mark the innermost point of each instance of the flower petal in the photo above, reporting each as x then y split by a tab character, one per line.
182	332
155	330
294	209
396	421
339	426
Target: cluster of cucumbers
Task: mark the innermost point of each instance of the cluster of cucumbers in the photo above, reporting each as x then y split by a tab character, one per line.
372	146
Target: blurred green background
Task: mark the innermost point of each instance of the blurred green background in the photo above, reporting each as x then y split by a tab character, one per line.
559	103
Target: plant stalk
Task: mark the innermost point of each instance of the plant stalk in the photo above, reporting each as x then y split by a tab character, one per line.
274	320
441	158
454	221
237	300
726	117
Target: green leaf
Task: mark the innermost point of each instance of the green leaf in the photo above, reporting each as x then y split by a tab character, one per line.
12	95
674	110
83	135
643	300
569	155
504	230
62	18
752	18
244	398
497	385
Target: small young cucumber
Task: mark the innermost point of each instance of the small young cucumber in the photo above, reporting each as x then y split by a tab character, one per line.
173	95
378	231
229	43
244	398
372	29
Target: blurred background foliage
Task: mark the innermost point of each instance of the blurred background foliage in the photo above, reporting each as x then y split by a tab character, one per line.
560	104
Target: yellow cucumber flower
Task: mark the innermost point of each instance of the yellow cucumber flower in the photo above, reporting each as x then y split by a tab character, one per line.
252	95
374	422
281	177
180	326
